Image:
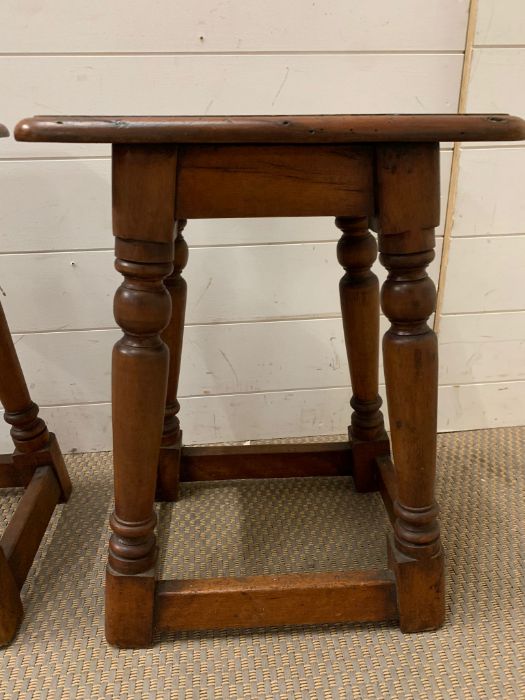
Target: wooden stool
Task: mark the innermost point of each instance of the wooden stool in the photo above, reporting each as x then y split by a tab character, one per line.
381	171
36	464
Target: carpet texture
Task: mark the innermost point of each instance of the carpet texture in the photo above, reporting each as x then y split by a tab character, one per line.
235	528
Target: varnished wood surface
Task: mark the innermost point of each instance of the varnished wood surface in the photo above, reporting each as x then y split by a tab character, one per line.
26	528
143	225
211	463
129	608
387	484
167	487
408	212
343	128
359	294
11	610
13	475
273	180
284	599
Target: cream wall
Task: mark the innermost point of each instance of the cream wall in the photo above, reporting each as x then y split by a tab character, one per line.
264	354
482	329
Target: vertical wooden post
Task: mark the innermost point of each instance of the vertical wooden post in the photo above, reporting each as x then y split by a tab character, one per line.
359	292
143	209
11	611
408	211
33	442
171	445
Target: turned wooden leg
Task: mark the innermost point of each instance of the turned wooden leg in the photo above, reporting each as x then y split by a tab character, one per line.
34	445
143	201
11	610
359	292
409	174
171	445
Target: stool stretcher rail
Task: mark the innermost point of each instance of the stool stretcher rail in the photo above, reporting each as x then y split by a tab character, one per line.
285	599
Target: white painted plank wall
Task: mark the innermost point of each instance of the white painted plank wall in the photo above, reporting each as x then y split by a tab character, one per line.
260	359
483	327
229	26
500	23
282	354
236	417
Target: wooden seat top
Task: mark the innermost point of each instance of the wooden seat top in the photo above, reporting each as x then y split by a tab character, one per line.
3	131
343	128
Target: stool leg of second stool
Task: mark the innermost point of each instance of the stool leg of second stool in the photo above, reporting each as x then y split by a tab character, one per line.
28	431
359	292
34	445
171	445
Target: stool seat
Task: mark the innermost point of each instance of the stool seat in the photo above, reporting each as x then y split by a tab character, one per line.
338	128
378	172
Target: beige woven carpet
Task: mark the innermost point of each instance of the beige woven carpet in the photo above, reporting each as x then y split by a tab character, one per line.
289	525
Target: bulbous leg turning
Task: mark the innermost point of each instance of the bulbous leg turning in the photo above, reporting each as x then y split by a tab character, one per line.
408	204
171	445
359	293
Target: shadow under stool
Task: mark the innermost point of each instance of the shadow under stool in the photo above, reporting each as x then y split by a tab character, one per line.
376	172
37	465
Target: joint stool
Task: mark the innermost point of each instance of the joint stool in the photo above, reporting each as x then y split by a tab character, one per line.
367	171
36	464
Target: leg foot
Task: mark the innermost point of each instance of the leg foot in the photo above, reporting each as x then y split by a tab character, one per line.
129	609
420	588
364	470
49	455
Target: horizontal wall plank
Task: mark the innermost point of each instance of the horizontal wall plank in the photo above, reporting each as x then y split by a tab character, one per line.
477	348
485	274
479	406
74	367
68	291
60	26
495	75
500	22
87	428
491	192
57	205
57	291
221	84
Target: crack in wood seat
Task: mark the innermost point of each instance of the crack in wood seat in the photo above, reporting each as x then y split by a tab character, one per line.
367	171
